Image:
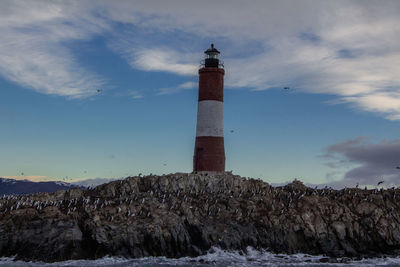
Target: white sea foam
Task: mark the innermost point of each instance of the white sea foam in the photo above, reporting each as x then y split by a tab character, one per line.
215	257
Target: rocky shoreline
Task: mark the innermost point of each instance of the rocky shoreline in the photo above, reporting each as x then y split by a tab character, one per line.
184	214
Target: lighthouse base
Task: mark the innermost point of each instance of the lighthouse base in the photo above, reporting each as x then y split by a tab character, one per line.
209	154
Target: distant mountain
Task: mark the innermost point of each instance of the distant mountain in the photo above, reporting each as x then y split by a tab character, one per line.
21	187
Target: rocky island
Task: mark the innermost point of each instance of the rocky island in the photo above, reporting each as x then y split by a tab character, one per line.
184	214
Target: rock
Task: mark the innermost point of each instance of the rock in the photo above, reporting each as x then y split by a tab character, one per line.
340	230
324	260
181	214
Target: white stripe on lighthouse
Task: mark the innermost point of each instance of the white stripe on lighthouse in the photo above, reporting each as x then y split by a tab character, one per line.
210	115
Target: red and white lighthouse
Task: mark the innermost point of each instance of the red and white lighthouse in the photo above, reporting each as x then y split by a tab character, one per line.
209	151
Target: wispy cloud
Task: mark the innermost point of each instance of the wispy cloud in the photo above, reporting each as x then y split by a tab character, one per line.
387	103
350	49
177	89
135	94
33	53
161	60
188	85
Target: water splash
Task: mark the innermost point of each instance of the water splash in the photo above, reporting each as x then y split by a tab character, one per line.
218	257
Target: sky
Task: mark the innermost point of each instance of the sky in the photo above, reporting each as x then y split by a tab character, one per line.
108	89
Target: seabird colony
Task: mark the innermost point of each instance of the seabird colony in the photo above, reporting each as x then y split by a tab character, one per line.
205	200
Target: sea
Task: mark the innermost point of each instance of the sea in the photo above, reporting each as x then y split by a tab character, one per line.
220	258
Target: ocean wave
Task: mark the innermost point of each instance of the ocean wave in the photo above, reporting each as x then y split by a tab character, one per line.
218	257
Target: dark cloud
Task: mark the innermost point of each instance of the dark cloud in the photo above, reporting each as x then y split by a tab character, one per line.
374	161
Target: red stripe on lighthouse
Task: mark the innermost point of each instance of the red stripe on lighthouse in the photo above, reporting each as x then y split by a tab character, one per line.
209	154
211	84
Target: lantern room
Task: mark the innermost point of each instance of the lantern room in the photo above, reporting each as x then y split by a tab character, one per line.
211	57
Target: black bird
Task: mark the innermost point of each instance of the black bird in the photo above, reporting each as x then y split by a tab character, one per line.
231	131
398	167
286	88
99	90
381	182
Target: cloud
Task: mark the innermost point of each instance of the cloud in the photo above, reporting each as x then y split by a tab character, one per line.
177	89
161	60
387	103
188	85
135	94
33	53
366	163
34	178
350	50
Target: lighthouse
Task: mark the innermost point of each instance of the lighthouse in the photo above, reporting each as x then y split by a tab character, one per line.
209	151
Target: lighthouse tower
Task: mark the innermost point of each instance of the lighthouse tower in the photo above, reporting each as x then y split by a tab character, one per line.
209	151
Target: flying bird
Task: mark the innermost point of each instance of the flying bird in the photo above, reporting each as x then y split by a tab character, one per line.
286	88
99	90
398	167
381	182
